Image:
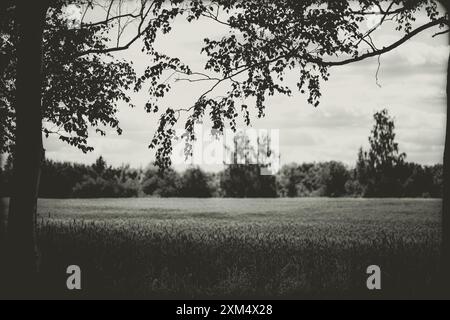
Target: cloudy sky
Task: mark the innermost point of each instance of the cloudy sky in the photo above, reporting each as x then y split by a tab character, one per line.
411	86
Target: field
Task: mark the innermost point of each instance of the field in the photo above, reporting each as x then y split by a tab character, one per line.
246	248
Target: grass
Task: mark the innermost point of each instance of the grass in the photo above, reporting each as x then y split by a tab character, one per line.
240	248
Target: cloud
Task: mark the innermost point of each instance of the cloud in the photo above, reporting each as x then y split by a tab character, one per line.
298	138
424	137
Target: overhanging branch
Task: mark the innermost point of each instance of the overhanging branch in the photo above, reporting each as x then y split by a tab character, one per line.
384	49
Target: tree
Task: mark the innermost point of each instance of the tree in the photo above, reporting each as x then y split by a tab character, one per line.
417	181
379	168
333	177
103	181
438	180
287	180
59	179
100	166
384	151
28	151
163	183
195	183
357	185
330	179
304	180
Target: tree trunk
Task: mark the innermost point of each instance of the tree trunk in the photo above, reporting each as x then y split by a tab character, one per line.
28	150
445	265
446	201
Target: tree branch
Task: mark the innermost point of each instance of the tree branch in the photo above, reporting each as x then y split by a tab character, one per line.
384	49
440	33
112	49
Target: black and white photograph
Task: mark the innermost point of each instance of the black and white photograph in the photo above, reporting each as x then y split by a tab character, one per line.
224	150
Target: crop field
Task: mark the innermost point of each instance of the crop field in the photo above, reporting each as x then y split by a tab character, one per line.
240	248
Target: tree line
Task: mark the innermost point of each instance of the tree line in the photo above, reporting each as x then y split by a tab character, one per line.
381	171
331	179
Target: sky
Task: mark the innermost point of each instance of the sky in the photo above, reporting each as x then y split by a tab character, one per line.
411	85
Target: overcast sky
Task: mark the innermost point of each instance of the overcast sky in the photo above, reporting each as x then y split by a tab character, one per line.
412	80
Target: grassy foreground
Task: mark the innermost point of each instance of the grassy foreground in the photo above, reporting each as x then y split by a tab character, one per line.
240	248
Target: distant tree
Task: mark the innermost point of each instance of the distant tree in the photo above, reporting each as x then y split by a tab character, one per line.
64	180
58	179
417	181
195	183
130	180
214	184
287	180
353	187
421	181
99	187
100	166
242	181
383	152
300	180
163	183
438	180
334	176
359	176
378	169
361	169
356	185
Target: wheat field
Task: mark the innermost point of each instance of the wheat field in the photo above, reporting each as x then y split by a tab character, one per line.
240	248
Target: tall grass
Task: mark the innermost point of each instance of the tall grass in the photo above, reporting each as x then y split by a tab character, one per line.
246	256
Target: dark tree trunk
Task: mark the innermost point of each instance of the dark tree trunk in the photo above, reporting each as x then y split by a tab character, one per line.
28	150
446	201
445	266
